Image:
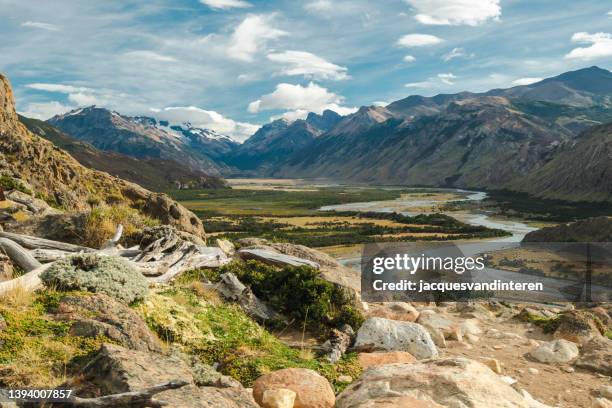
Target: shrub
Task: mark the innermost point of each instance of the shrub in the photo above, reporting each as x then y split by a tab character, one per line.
11	183
299	293
93	273
102	221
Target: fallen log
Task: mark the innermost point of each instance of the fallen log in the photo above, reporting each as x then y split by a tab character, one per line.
29	281
19	255
275	258
194	257
134	399
29	242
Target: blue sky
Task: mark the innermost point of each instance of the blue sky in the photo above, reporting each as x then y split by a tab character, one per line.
232	65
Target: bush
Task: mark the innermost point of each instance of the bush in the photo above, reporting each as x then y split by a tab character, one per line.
299	293
93	273
102	221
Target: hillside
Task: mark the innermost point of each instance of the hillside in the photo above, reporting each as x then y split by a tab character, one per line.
58	178
154	174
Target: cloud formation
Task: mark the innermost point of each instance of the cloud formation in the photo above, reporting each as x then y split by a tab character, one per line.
149	55
308	65
600	46
418	40
454	53
409	58
252	35
225	4
526	81
455	12
42	26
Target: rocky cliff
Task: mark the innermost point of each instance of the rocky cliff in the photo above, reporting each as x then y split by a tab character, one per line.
58	178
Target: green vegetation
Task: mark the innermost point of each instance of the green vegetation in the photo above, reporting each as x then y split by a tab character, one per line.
11	183
102	221
93	273
36	350
298	293
221	333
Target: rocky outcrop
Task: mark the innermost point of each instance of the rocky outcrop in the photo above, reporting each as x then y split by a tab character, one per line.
115	369
452	382
100	315
58	178
311	389
555	352
378	334
597	356
367	360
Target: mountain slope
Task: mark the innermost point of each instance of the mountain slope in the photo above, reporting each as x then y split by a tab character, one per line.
154	174
59	178
580	171
140	137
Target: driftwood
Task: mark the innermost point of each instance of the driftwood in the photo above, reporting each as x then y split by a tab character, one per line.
19	255
275	258
29	242
29	281
132	399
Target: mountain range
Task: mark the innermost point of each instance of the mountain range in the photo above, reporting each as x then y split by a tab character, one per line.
531	138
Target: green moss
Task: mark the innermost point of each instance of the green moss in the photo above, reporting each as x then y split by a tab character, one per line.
11	183
548	324
608	334
199	275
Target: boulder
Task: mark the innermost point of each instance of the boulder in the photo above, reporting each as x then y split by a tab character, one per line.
395	311
311	389
115	369
577	326
100	315
278	398
226	246
555	352
338	343
445	324
601	403
34	205
367	360
378	334
451	382
597	356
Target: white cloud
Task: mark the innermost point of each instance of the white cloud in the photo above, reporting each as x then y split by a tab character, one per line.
206	119
409	59
45	110
300	100
381	103
251	35
418	40
60	88
455	12
421	84
600	46
610	13
225	4
526	81
78	95
448	78
308	65
149	55
43	26
454	53
318	6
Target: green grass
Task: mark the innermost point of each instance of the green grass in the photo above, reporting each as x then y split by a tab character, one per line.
277	203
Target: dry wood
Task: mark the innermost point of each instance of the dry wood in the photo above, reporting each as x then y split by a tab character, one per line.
133	399
19	255
29	242
29	281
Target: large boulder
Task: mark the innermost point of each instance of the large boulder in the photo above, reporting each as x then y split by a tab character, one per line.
597	356
555	352
311	389
394	311
452	382
367	360
100	315
378	334
115	369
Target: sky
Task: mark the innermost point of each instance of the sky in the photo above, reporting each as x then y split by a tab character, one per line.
233	65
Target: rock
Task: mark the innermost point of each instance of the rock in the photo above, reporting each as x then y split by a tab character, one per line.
226	246
367	360
533	370
474	310
395	311
436	335
452	382
532	402
35	205
345	379
493	364
2	324
576	326
161	207
312	390
555	352
6	268
450	330
606	391
597	356
569	369
601	403
339	341
205	375
100	315
499	335
234	290
278	398
115	369
389	335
